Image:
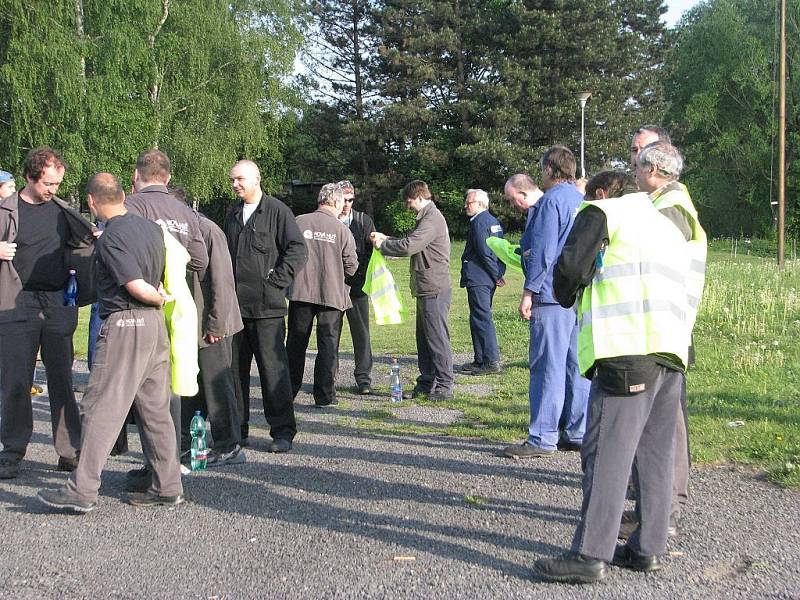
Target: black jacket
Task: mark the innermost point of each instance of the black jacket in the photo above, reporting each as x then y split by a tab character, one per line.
479	265
266	254
361	226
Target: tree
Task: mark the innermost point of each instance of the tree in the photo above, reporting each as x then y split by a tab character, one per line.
106	79
722	94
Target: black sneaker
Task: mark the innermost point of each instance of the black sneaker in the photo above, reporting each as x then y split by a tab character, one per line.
363	389
571	568
67	464
9	468
138	480
415	393
222	459
280	445
150	499
438	396
61	499
469	367
527	450
492	368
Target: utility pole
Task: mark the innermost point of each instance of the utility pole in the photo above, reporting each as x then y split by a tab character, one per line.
782	138
582	98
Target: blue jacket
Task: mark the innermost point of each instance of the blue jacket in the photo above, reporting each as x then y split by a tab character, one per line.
479	265
544	238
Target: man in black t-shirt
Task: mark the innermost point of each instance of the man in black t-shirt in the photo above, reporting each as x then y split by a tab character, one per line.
41	238
132	358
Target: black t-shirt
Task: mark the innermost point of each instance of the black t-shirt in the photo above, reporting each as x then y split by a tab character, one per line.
130	248
42	236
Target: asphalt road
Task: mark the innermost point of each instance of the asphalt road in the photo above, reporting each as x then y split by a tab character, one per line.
354	514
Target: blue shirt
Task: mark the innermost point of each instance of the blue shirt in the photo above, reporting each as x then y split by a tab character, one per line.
544	238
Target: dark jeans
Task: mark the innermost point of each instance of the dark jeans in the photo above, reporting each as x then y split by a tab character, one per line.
358	320
263	339
216	398
434	356
48	325
301	320
481	325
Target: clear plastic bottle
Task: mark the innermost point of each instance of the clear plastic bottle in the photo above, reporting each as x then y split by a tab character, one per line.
199	449
394	382
71	291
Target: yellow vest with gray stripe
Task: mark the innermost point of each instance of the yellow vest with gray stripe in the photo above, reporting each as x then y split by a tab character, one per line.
675	194
637	302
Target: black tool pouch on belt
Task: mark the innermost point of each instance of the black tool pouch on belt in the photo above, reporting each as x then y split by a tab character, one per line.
627	377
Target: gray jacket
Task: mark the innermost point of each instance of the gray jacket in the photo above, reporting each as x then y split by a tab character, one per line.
214	289
331	258
80	256
429	248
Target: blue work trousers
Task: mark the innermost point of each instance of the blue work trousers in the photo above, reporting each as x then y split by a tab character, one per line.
481	325
557	392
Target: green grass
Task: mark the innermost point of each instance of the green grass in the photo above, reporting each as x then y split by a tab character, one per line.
748	366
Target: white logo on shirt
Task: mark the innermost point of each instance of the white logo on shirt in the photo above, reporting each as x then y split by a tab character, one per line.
320	236
137	322
174	226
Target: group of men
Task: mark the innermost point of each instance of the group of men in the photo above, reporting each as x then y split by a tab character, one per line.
605	379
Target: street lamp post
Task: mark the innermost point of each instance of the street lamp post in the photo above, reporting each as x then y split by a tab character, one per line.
583	97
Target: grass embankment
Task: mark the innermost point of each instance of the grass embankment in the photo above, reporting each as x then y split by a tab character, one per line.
748	365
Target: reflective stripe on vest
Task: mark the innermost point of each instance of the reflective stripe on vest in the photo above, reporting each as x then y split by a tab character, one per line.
638	304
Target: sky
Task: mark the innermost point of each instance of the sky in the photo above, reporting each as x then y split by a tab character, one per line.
676	9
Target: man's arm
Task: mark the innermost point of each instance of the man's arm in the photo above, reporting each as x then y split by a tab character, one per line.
544	244
292	253
491	264
416	241
349	255
576	266
146	293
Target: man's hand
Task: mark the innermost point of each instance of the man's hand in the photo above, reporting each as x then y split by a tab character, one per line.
7	250
211	338
500	282
377	238
163	293
526	305
581	184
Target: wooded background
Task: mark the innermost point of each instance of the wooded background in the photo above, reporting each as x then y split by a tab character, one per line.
459	93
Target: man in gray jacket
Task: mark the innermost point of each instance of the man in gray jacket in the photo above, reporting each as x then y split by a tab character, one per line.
428	245
319	290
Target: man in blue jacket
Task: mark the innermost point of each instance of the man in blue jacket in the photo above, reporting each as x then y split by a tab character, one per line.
481	273
557	392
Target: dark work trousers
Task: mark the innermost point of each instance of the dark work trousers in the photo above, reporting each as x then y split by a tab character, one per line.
131	367
618	429
358	320
434	356
263	339
557	393
481	325
301	320
680	483
216	398
48	325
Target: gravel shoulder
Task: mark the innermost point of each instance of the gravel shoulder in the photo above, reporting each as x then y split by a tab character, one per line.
351	513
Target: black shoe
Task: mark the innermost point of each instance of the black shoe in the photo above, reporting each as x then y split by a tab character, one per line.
186	458
415	393
280	445
245	442
150	499
60	499
67	464
222	459
627	558
333	402
491	368
139	480
469	367
527	450
440	396
566	445
364	389
571	568
630	523
9	468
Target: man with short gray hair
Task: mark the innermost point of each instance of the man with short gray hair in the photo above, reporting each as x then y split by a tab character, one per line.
320	292
481	273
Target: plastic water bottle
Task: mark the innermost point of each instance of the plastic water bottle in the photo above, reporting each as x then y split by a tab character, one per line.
394	382
199	448
71	291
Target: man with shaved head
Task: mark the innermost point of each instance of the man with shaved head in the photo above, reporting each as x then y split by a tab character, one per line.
267	250
131	364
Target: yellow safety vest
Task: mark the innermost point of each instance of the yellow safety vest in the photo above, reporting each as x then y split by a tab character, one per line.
379	285
675	194
637	302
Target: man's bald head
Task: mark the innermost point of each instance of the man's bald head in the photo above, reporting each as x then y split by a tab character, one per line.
104	188
522	192
246	181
